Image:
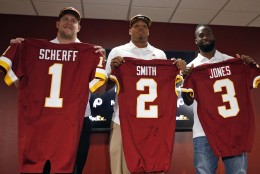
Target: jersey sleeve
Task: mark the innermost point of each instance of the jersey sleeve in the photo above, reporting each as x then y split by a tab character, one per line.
254	76
178	80
9	64
187	86
100	75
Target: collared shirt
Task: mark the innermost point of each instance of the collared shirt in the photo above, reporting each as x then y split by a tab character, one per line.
57	41
88	111
218	57
130	50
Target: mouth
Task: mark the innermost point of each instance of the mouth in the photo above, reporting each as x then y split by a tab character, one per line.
206	42
67	27
140	32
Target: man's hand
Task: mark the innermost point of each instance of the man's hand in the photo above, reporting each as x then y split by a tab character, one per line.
246	59
188	70
116	62
181	64
101	50
17	40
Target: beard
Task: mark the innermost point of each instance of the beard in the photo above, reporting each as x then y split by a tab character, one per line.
66	35
141	39
207	47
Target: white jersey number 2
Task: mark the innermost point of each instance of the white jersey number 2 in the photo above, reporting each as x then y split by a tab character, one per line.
230	97
142	99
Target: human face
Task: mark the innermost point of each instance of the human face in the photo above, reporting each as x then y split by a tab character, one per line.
68	27
139	32
205	39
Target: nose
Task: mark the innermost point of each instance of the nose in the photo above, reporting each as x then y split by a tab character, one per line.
69	21
205	37
141	27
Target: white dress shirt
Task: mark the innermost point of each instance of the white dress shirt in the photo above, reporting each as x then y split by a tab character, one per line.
218	57
130	50
88	111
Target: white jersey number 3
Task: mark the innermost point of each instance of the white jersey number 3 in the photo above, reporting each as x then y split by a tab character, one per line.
228	97
142	99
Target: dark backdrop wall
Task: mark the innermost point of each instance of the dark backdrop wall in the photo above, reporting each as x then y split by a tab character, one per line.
108	33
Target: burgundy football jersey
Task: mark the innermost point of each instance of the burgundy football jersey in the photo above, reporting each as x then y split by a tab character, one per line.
55	80
225	109
148	104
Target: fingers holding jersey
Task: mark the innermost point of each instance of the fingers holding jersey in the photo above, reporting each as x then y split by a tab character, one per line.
181	64
17	40
116	62
246	59
100	49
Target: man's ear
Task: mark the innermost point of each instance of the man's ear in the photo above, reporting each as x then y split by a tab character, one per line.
79	28
196	42
57	23
130	32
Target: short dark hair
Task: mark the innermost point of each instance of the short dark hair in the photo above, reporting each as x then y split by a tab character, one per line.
202	25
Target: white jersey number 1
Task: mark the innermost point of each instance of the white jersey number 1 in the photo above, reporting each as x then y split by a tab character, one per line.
54	101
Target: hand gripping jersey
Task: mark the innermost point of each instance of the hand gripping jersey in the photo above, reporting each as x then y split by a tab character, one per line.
53	93
148	103
222	91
